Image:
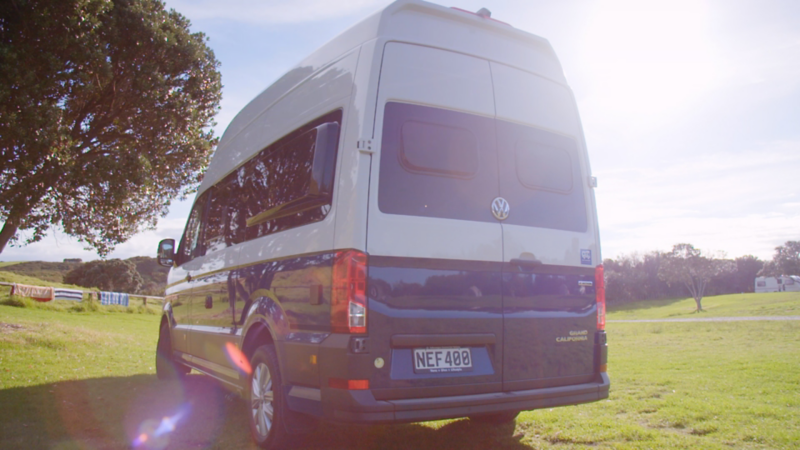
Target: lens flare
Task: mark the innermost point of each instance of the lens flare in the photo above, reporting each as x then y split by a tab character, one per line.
154	434
238	358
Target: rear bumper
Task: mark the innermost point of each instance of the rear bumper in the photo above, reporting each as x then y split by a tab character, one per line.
361	406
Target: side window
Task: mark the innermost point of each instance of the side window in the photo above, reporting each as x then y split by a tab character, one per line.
214	227
286	185
191	245
761	284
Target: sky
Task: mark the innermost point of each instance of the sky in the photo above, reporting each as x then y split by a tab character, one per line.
691	109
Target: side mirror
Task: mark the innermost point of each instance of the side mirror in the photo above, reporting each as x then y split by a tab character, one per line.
166	253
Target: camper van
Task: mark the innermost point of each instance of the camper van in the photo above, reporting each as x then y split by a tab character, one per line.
784	283
401	228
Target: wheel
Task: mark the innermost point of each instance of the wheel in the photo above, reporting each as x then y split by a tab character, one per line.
264	399
166	367
495	418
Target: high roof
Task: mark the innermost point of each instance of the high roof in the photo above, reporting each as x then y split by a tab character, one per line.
413	21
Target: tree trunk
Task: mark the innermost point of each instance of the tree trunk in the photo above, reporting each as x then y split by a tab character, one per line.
699	303
12	223
8	232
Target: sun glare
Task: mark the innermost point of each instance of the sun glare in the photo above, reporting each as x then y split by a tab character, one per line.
648	60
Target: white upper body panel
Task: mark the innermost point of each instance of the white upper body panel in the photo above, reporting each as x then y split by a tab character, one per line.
406	21
460	62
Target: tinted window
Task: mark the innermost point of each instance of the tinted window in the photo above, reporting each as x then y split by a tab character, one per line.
437	163
277	176
191	244
761	284
540	178
542	167
438	149
440	163
218	212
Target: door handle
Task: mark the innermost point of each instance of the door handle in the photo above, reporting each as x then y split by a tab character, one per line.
209	302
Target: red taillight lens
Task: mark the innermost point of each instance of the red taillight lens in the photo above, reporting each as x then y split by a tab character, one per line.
600	290
352	385
349	293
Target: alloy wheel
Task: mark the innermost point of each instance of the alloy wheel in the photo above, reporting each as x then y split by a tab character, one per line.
261	399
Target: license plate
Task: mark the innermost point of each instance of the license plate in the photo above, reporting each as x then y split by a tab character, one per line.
442	360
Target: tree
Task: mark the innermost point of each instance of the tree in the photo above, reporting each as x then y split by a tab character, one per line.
747	268
786	261
111	275
105	115
688	266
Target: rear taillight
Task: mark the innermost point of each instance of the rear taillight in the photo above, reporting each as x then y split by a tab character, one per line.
349	293
600	289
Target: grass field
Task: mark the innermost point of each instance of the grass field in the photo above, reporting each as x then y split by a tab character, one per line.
81	380
733	305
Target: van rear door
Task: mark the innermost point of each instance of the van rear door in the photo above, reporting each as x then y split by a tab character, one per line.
549	237
435	250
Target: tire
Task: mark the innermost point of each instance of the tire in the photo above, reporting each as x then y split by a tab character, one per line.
264	399
495	418
166	367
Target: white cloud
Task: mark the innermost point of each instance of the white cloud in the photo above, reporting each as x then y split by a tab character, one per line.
741	203
272	11
58	246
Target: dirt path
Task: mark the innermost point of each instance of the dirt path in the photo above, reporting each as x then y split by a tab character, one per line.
710	319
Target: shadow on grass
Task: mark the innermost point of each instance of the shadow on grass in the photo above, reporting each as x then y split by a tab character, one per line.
142	412
643	305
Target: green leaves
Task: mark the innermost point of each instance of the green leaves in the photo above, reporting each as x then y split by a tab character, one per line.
105	116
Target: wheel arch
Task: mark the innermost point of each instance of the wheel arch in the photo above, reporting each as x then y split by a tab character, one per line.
257	334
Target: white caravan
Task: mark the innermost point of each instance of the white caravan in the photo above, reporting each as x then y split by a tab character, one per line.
786	283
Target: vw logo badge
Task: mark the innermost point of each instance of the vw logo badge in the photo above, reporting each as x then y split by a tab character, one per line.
500	208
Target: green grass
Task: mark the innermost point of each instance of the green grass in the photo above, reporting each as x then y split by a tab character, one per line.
87	381
732	305
11	277
8	263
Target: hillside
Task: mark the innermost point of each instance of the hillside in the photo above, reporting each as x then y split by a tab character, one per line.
154	276
43	270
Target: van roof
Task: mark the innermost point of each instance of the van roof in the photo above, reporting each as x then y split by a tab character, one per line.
412	21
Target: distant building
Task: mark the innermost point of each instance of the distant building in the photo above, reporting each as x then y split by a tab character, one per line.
72	260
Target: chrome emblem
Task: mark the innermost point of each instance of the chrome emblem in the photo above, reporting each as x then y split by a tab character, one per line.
500	208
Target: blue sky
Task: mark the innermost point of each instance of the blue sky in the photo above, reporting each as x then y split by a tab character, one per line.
691	109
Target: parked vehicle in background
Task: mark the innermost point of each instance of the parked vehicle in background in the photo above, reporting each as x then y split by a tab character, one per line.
778	284
402	228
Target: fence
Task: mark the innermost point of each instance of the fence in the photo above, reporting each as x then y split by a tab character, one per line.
97	292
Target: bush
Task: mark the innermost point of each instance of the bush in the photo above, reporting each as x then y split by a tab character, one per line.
112	275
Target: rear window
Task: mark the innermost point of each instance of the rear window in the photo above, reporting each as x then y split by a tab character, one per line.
448	164
543	167
439	150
